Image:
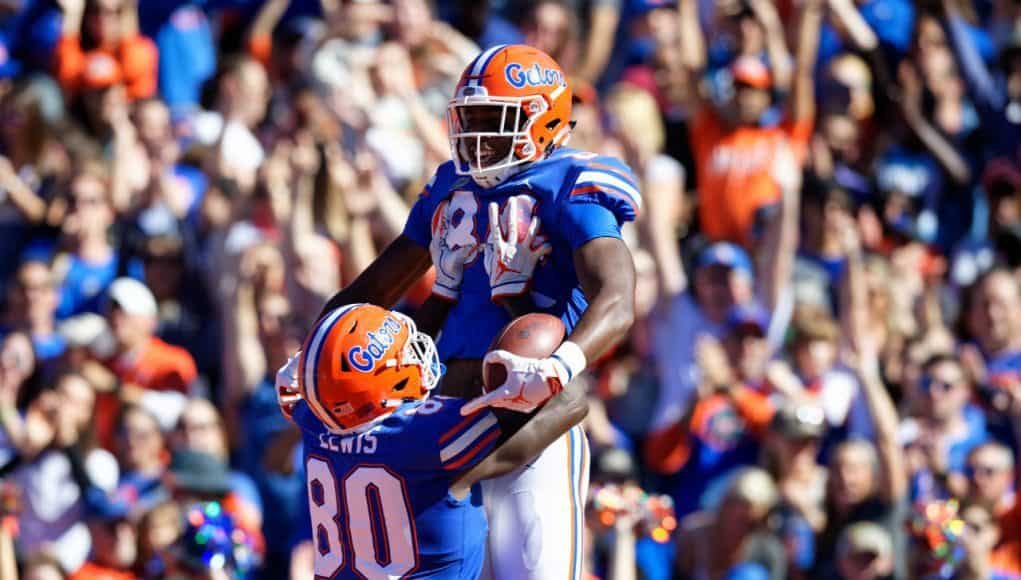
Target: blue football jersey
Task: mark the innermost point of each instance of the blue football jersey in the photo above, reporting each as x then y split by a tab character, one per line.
379	500
578	197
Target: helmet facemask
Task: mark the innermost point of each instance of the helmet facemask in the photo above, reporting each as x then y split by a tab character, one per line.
490	137
420	350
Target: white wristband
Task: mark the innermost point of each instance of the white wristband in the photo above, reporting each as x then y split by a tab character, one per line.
572	357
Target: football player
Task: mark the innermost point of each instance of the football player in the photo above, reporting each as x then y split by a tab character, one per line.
390	470
559	250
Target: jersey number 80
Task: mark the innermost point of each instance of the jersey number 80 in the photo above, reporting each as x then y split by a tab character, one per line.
369	511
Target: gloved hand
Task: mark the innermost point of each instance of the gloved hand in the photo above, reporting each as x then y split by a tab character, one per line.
530	382
510	261
448	257
288	394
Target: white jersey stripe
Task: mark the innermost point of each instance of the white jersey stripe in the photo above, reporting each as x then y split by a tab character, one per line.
593	177
455	447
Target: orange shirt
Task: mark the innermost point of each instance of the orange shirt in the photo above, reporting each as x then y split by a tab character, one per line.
91	571
1007	553
733	169
668	450
136	56
158	367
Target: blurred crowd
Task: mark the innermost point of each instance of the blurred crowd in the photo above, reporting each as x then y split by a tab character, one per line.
824	380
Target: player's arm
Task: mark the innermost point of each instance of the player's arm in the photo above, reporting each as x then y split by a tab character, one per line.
432	314
523	437
693	53
387	278
606	271
607	276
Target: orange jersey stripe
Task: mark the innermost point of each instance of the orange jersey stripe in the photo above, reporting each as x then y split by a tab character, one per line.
457	428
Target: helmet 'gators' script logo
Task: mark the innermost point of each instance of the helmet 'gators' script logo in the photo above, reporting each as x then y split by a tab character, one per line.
535	76
364	358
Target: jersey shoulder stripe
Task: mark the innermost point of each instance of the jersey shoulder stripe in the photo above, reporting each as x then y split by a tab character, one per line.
598	186
602	178
467	439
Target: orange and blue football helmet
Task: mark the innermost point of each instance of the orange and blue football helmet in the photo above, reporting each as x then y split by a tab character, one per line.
512	107
361	362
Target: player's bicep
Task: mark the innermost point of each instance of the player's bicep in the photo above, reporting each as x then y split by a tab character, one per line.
605	266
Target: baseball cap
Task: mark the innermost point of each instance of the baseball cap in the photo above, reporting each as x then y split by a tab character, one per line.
748	316
196	472
751	71
133	297
865	537
725	254
101	71
799	420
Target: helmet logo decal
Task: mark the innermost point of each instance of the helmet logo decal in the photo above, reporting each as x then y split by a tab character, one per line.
535	76
364	359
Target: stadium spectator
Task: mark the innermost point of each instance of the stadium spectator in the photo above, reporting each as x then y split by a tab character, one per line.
865	552
947	427
143	456
114	548
990	477
91	263
734	536
733	141
101	38
32	306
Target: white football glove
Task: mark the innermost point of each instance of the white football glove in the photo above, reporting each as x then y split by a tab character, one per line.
510	262
448	259
530	381
288	394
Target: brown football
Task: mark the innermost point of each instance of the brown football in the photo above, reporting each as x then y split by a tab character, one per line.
533	335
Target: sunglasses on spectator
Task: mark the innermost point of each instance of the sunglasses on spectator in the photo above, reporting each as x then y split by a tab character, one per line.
30	286
162	259
199	425
107	9
929	384
87	201
976	527
986	470
864	558
145	433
